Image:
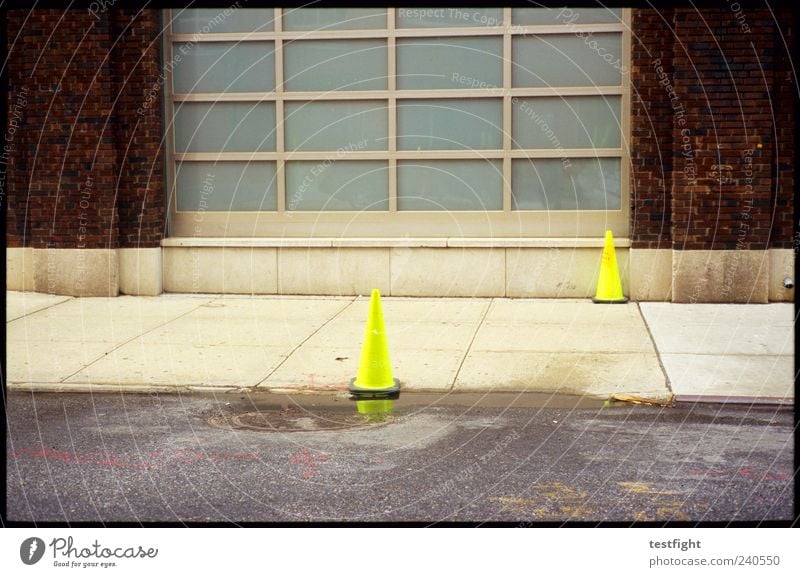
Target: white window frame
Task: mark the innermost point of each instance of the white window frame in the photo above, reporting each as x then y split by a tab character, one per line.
505	223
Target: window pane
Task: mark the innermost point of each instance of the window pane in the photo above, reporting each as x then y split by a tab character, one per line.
223	186
224	67
337	185
449	62
567	60
207	21
329	65
333	18
224	127
568	122
448	17
337	125
565	184
449	124
575	16
450	185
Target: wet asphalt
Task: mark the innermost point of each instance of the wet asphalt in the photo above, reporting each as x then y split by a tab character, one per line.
520	459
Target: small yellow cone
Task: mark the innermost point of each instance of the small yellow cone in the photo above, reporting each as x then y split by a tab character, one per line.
609	286
374	370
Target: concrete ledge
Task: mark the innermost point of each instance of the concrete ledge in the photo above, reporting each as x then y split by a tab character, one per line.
76	272
244	242
220	270
431	272
333	271
140	271
19	269
781	266
565	243
392	242
558	272
720	276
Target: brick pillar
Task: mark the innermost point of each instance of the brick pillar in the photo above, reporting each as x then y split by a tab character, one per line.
87	169
651	131
722	153
139	137
651	154
784	238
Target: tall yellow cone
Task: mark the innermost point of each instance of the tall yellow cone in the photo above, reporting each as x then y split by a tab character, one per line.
609	286
373	388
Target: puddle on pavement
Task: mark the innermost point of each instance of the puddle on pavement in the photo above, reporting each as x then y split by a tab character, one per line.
295	419
272	412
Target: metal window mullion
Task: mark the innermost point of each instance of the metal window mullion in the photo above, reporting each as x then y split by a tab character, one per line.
280	171
521	92
377	33
507	110
625	176
172	169
392	106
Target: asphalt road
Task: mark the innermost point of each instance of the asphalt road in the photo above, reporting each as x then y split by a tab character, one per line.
470	458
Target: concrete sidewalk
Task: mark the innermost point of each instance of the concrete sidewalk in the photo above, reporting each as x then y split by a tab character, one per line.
653	351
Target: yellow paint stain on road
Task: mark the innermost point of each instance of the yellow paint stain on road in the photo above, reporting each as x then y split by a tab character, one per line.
520	505
642	488
666	508
558	491
515	500
557	501
671	514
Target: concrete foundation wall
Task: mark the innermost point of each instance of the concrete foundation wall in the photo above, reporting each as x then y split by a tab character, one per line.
454	271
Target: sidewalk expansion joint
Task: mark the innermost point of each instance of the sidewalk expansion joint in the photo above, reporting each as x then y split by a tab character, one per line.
655	348
469	345
133	338
304	341
26	315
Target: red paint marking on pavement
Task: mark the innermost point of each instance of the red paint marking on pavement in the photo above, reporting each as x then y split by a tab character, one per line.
310	460
122	461
378	459
744	472
750	473
706	473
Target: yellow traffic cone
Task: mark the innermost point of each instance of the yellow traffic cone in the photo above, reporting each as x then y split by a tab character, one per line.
374	388
609	286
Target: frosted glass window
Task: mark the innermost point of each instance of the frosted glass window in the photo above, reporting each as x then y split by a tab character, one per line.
448	17
449	124
574	16
565	184
332	185
318	125
458	62
335	65
223	186
208	21
224	67
450	185
224	127
567	60
568	122
333	18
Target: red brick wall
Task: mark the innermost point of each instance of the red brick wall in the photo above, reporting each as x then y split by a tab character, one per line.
722	190
76	183
86	146
651	129
785	92
136	69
